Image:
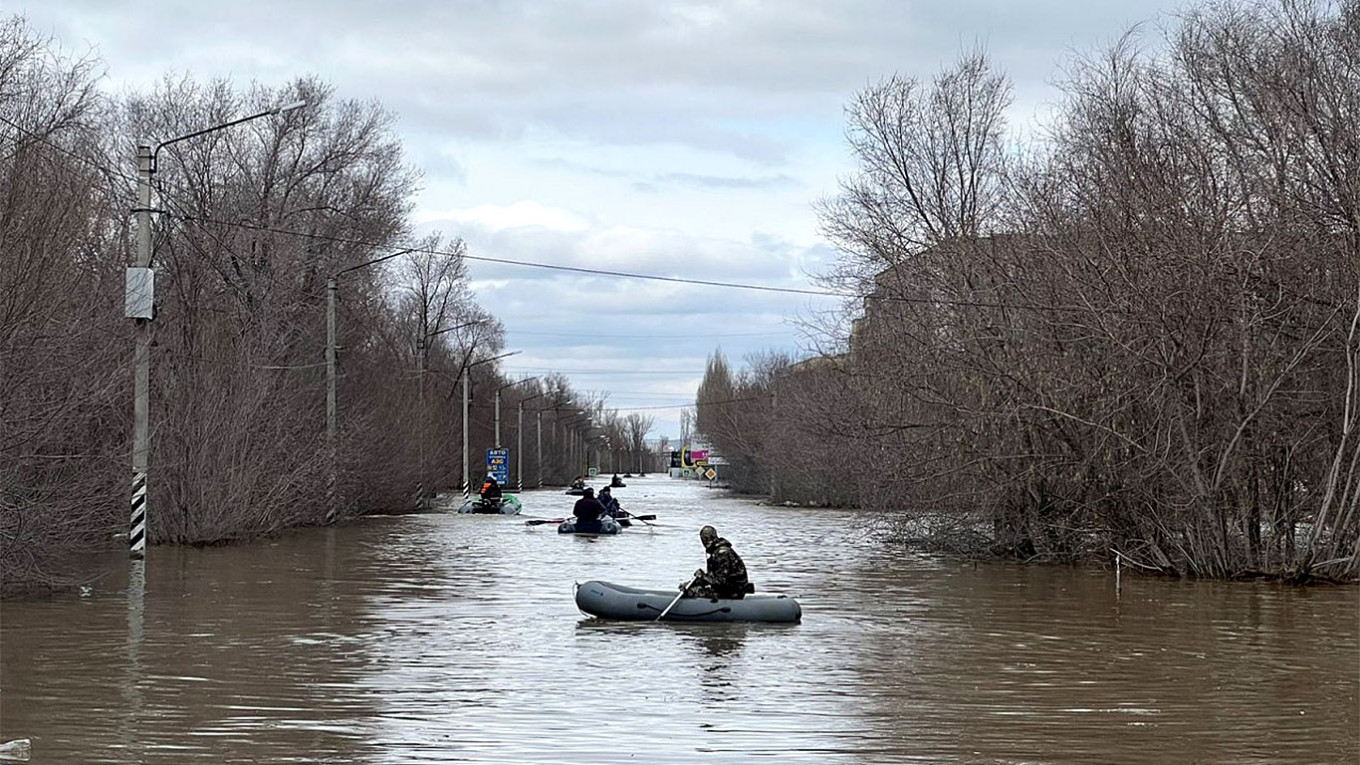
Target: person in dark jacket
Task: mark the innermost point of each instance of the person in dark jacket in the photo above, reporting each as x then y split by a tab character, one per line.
726	573
491	489
588	511
611	505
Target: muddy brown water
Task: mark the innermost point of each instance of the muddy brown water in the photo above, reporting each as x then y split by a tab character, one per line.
454	638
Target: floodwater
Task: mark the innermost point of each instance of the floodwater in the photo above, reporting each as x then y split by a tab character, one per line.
454	638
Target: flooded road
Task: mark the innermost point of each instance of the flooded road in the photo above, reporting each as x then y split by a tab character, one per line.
454	638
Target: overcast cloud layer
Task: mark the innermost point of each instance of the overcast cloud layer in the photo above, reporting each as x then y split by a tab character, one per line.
669	138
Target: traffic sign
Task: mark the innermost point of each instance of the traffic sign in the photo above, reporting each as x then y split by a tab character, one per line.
710	474
498	464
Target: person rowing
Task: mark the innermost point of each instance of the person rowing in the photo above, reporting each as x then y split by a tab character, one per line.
725	577
588	512
491	489
611	505
613	509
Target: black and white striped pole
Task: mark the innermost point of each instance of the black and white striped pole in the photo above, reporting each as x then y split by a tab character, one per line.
519	444
140	306
467	485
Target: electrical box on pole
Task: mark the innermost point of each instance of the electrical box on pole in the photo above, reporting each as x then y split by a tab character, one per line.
139	298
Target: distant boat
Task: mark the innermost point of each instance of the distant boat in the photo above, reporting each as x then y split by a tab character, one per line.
508	504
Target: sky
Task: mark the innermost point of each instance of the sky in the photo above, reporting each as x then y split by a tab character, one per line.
678	139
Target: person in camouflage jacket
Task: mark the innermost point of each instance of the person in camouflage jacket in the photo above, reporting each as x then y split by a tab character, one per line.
726	574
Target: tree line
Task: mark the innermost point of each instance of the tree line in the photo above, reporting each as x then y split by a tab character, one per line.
1137	334
250	224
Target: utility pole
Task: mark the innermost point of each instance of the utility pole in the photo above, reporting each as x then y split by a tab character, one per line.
420	374
467	487
519	447
539	460
332	286
332	422
140	305
141	381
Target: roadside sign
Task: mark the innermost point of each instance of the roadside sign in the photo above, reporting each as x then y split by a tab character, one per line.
498	464
593	472
711	474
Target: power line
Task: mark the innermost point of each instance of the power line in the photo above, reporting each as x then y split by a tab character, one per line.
651	277
692	404
702	336
583	270
606	371
579	269
531	264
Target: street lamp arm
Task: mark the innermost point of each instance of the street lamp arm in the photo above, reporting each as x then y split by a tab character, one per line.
372	262
276	110
456	326
141	376
519	382
487	361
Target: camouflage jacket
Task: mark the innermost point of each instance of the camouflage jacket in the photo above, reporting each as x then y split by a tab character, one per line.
726	574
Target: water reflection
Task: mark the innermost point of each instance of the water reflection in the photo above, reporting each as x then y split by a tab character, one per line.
445	637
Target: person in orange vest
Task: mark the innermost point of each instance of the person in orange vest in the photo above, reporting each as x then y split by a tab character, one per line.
491	490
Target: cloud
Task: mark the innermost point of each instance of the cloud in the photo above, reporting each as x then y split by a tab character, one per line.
678	137
607	71
523	214
723	182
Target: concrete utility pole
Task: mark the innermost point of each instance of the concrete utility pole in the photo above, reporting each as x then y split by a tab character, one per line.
332	478
519	446
141	380
332	424
422	348
140	306
539	461
467	368
467	487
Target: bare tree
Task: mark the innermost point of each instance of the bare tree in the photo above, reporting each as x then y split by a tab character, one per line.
62	381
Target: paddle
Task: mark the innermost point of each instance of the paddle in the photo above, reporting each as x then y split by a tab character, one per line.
541	521
683	587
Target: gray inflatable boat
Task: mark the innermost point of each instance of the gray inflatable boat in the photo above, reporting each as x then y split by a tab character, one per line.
607	526
615	601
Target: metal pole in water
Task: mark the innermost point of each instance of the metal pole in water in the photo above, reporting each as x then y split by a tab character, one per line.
1118	570
141	379
331	481
467	486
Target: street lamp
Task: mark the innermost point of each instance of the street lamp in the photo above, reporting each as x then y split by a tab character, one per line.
467	368
498	405
519	448
139	305
572	438
420	373
332	288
